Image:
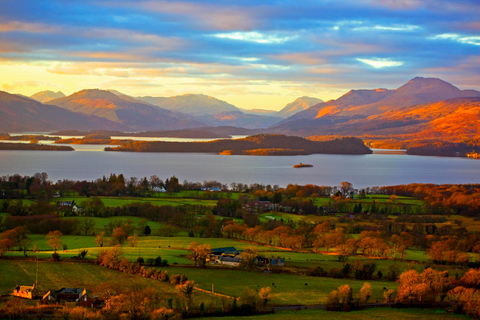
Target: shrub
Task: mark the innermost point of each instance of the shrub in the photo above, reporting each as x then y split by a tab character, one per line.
140	260
317	272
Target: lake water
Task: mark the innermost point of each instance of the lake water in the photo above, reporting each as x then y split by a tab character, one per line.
89	162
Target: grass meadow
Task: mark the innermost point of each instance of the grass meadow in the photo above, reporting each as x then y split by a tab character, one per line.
57	275
160	201
366	314
286	289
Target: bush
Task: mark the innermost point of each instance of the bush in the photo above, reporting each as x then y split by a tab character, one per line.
336	273
158	261
140	260
317	272
150	262
55	257
82	254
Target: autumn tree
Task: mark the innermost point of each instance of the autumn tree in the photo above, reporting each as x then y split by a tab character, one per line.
13	237
264	295
119	236
54	239
365	292
199	253
133	240
345	294
428	286
99	239
346	188
249	257
186	291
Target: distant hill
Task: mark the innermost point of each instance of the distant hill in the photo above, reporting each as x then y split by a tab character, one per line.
260	112
452	120
202	132
45	96
18	114
192	104
263	144
298	105
240	119
127	112
346	114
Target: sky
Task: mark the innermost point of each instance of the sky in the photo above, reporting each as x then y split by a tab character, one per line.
253	54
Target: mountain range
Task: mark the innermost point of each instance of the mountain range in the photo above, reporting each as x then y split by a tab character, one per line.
423	107
19	114
371	112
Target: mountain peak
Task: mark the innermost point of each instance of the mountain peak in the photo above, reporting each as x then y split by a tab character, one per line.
300	104
192	104
47	95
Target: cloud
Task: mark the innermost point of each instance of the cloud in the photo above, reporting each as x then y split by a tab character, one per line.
18	26
205	14
381	63
388	28
303	58
22	84
257	37
473	40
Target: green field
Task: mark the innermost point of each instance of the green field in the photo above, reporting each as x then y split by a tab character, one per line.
161	201
286	289
367	314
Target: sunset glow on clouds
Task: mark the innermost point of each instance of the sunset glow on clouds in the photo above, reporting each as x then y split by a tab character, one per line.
252	54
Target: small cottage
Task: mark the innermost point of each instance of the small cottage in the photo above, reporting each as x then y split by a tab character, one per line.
26	291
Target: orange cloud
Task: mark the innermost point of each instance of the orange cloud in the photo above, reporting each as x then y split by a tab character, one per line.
313	58
209	15
27	27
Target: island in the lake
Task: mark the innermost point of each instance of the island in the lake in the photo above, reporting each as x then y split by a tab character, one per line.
33	147
303	165
262	144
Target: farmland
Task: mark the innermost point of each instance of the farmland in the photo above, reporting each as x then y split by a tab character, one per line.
323	242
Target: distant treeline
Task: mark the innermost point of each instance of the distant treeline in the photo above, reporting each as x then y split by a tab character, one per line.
296	145
444	149
33	146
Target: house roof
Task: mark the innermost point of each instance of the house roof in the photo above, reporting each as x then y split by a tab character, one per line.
49	293
230	259
70	290
25	288
223	250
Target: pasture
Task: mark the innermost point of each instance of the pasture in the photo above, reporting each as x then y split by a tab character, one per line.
366	314
286	289
56	275
160	201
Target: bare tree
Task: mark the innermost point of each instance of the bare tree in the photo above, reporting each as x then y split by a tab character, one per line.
54	239
87	224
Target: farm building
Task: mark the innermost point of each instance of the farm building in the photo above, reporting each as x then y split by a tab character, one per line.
25	291
272	262
80	296
49	297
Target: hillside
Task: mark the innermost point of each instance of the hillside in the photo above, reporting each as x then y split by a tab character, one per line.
129	113
288	144
18	114
240	119
45	96
300	104
360	111
192	104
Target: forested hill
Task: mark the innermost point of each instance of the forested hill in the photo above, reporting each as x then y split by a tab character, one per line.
263	144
